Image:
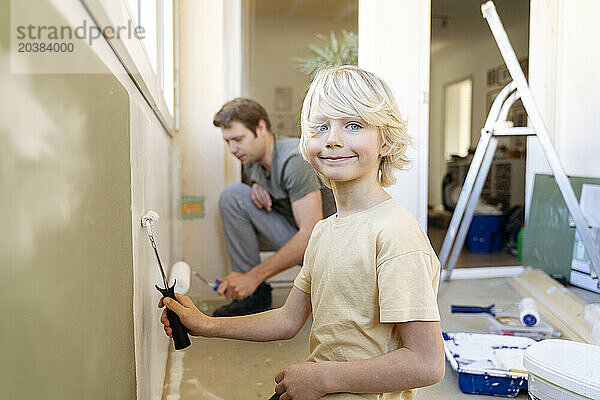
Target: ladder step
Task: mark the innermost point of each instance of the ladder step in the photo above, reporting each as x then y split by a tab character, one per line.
518	131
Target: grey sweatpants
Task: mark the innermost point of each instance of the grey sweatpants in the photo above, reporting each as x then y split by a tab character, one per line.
249	229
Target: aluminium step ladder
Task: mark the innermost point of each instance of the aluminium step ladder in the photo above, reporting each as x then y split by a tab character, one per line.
495	126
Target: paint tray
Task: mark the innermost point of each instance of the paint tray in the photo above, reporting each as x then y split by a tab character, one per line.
505	323
487	364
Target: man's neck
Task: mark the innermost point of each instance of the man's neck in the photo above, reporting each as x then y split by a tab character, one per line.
267	159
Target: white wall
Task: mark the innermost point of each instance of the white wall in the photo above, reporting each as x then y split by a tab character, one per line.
208	79
470	57
565	83
394	44
275	44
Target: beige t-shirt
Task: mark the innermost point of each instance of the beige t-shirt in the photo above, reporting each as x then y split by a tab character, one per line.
364	273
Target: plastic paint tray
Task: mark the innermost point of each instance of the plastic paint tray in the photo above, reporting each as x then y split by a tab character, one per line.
487	364
509	324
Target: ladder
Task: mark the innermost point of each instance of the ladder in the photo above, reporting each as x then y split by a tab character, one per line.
495	126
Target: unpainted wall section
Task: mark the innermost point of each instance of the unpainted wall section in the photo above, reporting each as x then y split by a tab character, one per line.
209	76
565	84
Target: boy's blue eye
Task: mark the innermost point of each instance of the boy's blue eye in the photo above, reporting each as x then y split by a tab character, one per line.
353	126
321	128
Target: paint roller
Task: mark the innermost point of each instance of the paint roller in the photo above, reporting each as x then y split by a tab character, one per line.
181	340
180	277
528	312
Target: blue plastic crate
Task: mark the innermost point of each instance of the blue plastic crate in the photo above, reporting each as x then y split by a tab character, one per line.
485	234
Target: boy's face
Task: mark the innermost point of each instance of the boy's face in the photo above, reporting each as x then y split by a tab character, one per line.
344	149
243	143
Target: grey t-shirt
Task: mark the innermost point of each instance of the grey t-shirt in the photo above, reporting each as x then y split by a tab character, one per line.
289	179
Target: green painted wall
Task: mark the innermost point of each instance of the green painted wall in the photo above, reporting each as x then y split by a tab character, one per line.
65	235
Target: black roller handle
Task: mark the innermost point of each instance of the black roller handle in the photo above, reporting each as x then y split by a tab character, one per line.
181	340
275	397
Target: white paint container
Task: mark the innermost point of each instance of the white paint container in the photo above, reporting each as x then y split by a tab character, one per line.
181	274
562	369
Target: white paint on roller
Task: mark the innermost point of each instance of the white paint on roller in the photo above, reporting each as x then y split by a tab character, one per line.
181	274
175	375
528	312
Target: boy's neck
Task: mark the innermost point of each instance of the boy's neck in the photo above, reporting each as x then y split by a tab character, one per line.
357	195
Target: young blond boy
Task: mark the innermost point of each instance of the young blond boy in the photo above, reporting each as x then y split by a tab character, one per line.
369	277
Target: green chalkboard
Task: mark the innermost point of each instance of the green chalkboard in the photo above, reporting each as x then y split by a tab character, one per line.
548	240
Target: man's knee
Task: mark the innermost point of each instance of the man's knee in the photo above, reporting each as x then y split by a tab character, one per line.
234	195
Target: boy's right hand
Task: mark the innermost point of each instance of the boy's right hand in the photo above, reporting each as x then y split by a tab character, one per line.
188	313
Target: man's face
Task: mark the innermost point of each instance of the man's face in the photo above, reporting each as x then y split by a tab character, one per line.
243	143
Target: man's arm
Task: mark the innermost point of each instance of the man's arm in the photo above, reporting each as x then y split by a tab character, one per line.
278	324
307	212
419	362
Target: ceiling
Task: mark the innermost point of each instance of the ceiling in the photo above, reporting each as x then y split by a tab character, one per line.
451	19
327	10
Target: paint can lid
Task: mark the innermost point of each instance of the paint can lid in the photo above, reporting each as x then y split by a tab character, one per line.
569	365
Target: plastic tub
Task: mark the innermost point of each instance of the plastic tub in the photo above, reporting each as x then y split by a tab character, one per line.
562	369
488	365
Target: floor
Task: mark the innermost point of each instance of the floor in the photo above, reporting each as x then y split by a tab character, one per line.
219	369
436	230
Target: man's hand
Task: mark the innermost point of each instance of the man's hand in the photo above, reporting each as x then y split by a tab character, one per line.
301	382
260	197
238	285
188	313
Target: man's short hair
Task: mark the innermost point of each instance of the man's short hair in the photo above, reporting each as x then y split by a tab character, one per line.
244	110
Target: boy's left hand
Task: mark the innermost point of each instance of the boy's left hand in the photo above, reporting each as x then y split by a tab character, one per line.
301	382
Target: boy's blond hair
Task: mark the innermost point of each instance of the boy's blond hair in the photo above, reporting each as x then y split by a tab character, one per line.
349	91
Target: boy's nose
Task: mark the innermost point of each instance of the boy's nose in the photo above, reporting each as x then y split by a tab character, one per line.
334	138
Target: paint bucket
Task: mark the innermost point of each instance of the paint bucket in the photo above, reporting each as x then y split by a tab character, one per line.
562	369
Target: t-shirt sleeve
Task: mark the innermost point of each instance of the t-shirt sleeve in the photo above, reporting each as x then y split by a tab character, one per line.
302	280
299	178
406	287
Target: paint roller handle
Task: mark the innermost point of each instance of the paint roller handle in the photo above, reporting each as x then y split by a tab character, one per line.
472	309
181	340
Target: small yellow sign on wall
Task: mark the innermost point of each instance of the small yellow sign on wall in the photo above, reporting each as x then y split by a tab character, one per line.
192	207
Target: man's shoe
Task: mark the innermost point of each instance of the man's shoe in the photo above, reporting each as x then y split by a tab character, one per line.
259	301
